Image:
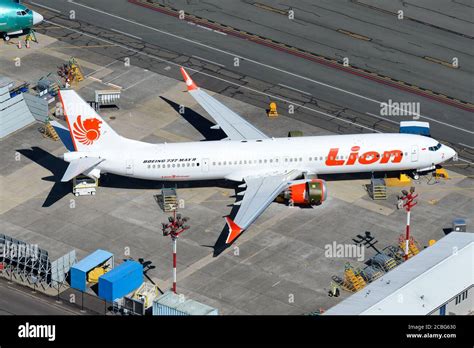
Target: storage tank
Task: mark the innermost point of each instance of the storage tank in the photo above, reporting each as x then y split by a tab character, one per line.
120	281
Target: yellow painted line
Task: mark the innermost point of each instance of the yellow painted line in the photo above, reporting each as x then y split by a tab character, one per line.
354	35
442	62
270	8
92	46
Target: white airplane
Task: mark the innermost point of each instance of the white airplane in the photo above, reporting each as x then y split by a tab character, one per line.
265	167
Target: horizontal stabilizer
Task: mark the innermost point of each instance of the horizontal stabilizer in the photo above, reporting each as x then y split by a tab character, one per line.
79	166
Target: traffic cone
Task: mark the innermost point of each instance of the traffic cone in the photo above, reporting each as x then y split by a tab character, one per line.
27	42
19	44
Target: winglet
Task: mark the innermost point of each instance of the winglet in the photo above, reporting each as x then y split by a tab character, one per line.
189	81
234	230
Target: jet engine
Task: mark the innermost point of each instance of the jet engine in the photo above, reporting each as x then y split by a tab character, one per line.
306	192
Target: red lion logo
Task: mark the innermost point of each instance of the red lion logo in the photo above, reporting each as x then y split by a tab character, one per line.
87	131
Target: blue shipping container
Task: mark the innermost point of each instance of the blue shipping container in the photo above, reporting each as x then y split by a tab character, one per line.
79	270
120	281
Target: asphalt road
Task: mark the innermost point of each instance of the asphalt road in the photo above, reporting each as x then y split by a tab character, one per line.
332	99
16	300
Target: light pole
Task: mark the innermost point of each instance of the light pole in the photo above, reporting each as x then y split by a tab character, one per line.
174	227
408	198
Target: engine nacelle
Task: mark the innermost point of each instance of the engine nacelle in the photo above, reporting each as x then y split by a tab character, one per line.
306	192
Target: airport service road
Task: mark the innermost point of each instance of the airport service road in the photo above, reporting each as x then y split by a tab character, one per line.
16	300
324	94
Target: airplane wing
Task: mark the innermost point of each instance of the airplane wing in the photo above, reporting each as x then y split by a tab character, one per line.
79	166
232	124
260	192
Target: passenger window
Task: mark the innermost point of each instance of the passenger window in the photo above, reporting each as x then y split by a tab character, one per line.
149	166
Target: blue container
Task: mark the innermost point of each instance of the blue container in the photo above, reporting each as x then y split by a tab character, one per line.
120	281
79	270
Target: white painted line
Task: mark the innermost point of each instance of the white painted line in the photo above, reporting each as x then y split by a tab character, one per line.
278	282
102	68
112	85
468	162
45	7
294	89
95	79
382	118
220	32
259	63
221	79
204	27
209	61
137	83
126	34
119	75
469	147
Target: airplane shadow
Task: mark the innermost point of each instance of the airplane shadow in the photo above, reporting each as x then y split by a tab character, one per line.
202	124
56	166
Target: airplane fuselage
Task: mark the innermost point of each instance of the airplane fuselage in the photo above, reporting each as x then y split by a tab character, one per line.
224	159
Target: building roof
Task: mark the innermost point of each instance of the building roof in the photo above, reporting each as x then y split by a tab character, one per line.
420	285
6	82
91	261
172	300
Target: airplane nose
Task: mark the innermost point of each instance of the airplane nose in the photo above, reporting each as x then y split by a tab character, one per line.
37	18
451	153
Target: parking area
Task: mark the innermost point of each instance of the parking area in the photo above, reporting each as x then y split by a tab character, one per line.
278	266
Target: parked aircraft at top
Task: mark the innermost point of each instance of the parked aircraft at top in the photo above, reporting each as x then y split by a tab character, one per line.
16	19
265	167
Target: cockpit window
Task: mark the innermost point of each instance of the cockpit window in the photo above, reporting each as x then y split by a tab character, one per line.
27	10
21	13
435	148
